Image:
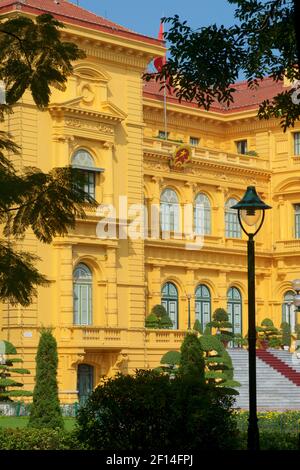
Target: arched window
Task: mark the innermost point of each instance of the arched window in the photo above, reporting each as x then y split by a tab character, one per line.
232	226
202	215
203	305
234	309
169	211
297	219
82	281
83	161
169	299
289	309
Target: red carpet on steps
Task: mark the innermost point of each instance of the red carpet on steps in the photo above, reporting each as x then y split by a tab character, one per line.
279	365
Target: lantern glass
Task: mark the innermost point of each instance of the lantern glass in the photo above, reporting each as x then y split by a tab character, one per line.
250	216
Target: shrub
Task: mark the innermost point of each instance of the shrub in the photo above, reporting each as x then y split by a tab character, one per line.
170	362
6	370
220	315
45	411
151	411
165	323
151	321
268	332
219	368
267	322
158	318
222	325
297	331
198	327
159	311
191	359
38	439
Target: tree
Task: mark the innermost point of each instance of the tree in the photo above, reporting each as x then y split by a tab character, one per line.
198	327
222	324
205	63
191	359
268	334
6	370
218	364
170	363
286	337
33	57
45	411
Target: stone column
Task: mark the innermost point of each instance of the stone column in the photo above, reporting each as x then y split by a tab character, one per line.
65	285
282	219
190	290
112	293
155	286
108	193
222	287
219	212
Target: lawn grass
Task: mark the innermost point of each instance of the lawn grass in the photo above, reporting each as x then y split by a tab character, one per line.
21	422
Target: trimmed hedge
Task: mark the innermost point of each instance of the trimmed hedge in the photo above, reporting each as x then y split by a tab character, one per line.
38	439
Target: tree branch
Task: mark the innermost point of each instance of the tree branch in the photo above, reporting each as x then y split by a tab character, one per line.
21	45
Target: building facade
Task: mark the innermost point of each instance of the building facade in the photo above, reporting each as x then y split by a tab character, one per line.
111	125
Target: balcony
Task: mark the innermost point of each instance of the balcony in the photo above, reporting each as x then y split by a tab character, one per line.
96	337
152	145
287	246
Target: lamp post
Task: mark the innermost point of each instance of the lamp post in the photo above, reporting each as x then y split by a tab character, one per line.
189	311
251	213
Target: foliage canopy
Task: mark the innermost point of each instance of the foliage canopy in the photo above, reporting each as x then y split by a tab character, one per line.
33	57
264	42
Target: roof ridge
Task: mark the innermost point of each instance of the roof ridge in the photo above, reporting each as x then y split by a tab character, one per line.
75	14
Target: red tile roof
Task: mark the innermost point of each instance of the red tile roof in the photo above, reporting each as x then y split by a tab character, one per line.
244	98
67	12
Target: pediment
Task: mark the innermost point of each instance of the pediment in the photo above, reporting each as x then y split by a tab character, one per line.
88	71
289	186
76	106
112	109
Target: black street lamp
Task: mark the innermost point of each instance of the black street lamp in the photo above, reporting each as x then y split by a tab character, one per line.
251	213
189	311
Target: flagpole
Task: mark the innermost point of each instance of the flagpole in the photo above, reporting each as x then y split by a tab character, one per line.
158	64
165	111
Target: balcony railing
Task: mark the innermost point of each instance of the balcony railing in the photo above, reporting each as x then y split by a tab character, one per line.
252	161
105	337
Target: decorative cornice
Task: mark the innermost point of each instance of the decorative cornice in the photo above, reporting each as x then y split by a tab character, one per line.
225	125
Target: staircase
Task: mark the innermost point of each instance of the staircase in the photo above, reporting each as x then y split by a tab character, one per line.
274	371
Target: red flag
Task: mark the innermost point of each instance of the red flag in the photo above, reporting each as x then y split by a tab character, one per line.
160	61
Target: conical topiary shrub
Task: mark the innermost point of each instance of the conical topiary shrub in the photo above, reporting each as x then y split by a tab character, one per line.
45	411
191	359
286	337
198	327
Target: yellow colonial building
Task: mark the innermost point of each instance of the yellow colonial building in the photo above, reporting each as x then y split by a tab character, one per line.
111	125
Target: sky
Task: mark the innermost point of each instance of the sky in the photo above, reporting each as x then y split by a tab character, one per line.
144	16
